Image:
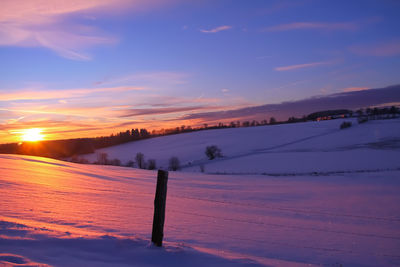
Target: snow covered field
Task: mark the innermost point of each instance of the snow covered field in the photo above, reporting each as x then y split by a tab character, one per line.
65	214
292	195
300	148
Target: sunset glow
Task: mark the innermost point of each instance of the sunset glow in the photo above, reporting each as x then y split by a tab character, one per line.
32	135
274	124
94	68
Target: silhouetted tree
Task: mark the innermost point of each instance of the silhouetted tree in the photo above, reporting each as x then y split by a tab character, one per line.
174	164
345	124
213	152
254	123
202	168
102	158
362	119
144	133
135	134
393	110
115	162
139	158
369	111
151	164
272	120
375	111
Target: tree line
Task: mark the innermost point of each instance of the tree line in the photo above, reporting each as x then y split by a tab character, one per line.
60	149
212	152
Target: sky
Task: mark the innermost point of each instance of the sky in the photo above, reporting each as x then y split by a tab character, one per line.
95	67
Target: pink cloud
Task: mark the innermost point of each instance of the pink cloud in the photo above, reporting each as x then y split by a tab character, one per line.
346	26
301	66
48	23
391	48
354	89
217	29
56	94
160	111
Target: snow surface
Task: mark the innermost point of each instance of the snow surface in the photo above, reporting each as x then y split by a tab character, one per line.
65	214
280	149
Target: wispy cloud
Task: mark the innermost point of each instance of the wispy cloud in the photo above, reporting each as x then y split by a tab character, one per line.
68	123
61	94
302	66
344	26
50	24
217	29
325	26
347	100
354	89
156	77
160	111
382	49
173	101
89	112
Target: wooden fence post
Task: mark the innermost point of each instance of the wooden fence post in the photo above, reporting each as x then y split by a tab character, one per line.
159	208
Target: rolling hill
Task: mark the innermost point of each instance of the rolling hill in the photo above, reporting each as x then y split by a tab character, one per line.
302	148
62	214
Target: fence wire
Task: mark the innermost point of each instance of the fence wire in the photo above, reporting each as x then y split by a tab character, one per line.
265	212
290	209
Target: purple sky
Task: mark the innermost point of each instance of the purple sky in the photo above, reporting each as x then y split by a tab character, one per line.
89	68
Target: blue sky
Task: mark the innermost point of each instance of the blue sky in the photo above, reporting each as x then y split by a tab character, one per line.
96	67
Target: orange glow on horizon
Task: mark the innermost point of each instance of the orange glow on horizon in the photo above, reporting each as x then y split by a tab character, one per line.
48	130
32	135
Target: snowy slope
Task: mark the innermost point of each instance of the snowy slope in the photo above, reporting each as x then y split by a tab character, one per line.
66	214
280	149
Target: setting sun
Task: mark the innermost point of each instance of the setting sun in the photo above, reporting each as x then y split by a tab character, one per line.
32	135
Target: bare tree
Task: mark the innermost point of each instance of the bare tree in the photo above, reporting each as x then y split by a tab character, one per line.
115	162
102	158
345	124
151	164
213	152
139	158
174	164
202	168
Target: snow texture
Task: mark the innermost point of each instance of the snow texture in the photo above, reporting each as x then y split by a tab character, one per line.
65	214
280	149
